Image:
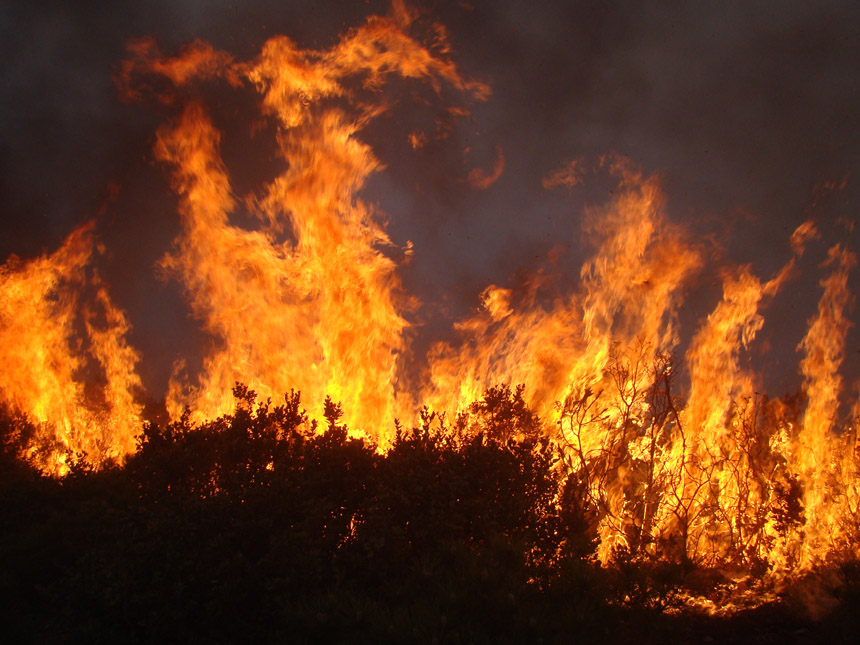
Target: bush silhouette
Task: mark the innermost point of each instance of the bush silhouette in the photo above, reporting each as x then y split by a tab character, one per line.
263	526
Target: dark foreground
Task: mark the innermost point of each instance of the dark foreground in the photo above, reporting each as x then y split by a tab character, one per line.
248	529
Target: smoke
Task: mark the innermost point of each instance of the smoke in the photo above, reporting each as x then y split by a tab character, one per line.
749	112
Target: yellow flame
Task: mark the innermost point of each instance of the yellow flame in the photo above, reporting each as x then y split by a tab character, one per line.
816	453
64	359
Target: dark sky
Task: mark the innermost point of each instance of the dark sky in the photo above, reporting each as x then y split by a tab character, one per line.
745	109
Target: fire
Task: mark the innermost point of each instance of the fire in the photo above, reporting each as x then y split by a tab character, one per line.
815	453
310	301
629	298
65	359
682	460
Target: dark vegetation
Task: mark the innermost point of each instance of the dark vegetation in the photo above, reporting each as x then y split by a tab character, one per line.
261	527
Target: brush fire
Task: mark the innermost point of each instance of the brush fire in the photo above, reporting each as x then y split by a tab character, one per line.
653	402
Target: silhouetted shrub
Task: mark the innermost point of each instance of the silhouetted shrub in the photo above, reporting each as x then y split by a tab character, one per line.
262	526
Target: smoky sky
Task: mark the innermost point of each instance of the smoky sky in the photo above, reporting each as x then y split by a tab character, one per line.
746	109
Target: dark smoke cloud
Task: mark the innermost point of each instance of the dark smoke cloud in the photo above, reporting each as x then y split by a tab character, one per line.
744	108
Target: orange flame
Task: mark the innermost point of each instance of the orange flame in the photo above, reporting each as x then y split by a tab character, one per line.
321	311
816	453
631	288
64	358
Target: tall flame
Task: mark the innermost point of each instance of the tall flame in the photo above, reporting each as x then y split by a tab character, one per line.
630	292
816	451
64	358
319	309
